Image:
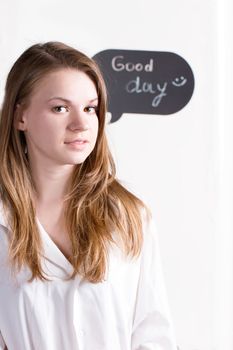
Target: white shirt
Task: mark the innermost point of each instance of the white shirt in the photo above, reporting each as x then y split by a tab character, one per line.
128	311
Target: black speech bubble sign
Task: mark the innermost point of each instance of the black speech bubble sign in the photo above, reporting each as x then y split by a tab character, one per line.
146	82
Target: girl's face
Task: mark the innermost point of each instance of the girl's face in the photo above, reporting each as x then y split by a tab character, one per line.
60	122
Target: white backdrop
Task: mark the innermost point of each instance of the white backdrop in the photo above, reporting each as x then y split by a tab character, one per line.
181	164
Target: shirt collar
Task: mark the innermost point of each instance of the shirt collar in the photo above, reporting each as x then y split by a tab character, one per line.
56	261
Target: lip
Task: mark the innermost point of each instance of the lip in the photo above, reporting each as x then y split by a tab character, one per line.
77	145
77	141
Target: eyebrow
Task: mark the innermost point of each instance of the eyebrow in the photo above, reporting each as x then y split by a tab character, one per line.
68	101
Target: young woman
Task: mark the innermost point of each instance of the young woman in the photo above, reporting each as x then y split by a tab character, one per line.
79	258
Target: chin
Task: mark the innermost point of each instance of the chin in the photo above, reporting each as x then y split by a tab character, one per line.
76	161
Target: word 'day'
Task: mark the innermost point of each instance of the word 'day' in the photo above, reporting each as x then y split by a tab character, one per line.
146	82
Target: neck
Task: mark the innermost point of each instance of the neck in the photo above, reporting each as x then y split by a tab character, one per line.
51	183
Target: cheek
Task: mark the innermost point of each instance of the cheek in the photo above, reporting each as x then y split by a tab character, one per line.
41	129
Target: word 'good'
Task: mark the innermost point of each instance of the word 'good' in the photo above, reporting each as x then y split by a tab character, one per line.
118	65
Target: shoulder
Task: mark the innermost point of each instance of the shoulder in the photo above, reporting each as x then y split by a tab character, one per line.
151	246
149	228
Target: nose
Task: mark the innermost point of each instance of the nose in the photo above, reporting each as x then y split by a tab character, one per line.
79	121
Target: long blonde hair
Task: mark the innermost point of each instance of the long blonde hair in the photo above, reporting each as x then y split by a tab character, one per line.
97	204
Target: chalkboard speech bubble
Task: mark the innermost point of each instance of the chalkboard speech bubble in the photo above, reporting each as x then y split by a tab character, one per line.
146	82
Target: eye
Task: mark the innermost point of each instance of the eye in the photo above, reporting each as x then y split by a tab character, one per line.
91	109
60	109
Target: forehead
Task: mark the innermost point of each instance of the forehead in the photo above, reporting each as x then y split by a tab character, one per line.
68	83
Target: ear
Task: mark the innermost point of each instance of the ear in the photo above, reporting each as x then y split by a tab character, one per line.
20	118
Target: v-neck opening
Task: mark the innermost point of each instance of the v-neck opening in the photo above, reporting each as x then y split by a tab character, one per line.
54	245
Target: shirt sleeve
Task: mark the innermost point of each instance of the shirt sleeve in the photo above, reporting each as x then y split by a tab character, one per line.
152	326
2	343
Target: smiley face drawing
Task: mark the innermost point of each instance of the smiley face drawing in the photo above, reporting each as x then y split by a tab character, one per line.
178	82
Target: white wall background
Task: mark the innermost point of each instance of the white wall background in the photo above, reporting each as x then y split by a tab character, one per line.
181	164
